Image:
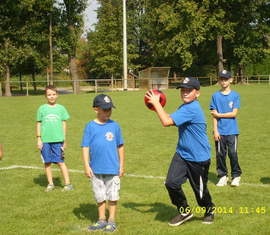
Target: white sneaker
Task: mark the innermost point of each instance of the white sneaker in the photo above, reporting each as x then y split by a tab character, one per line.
222	181
236	181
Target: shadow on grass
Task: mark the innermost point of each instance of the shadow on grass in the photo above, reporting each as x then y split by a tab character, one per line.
212	177
42	181
163	212
86	211
265	180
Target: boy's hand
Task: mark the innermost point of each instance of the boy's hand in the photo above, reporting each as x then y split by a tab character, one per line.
215	113
39	143
121	171
152	97
88	172
64	146
216	136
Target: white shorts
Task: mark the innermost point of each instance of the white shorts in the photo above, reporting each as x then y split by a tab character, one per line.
106	187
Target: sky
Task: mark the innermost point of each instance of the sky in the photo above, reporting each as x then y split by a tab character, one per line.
90	16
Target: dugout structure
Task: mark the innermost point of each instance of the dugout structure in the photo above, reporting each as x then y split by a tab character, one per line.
154	78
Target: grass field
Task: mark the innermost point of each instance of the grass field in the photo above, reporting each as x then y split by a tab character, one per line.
144	207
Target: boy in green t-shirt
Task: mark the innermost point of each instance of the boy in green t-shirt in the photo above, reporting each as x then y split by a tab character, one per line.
51	132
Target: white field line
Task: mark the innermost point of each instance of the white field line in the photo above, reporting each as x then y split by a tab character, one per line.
128	175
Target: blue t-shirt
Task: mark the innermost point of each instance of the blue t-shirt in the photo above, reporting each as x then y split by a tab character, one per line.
225	104
193	142
103	141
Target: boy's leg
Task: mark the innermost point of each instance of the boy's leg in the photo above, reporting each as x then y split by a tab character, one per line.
221	152
102	211
198	178
232	153
112	211
99	190
175	178
64	172
48	172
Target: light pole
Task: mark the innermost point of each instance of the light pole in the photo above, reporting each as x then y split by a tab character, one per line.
125	45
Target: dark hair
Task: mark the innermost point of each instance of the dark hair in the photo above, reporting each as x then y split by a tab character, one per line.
50	87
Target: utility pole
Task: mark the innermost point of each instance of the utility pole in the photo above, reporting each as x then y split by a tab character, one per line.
125	45
51	51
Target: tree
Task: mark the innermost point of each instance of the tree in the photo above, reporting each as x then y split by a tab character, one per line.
71	30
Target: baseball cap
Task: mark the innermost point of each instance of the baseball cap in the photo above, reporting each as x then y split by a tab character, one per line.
189	82
103	101
224	74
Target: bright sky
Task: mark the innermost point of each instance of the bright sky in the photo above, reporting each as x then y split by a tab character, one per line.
90	15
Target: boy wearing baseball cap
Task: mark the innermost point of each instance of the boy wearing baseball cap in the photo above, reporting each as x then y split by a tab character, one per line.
103	158
192	157
224	107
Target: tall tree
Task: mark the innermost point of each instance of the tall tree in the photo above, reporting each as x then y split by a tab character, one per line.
71	30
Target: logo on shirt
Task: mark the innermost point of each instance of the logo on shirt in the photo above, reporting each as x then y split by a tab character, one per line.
109	136
231	104
51	118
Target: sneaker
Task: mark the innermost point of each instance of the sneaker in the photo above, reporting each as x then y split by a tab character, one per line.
49	188
179	219
222	181
101	224
236	181
208	219
67	187
110	227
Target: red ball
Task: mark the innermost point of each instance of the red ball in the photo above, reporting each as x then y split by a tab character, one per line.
162	99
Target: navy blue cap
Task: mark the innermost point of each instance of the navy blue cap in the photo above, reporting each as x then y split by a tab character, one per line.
224	74
103	101
190	82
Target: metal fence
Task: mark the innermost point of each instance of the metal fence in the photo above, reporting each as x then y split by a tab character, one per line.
25	88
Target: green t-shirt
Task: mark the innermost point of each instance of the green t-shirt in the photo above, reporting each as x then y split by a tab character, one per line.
51	118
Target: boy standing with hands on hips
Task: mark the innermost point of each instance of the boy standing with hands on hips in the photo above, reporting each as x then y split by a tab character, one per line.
192	157
103	158
224	108
51	133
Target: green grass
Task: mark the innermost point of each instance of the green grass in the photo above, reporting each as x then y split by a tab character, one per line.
144	207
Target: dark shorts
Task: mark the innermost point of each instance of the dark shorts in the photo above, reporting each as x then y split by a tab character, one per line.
52	152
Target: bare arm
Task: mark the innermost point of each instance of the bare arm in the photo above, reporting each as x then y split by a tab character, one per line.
64	124
215	130
38	133
224	115
85	156
164	117
121	154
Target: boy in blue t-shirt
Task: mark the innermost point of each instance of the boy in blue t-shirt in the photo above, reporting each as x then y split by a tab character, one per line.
103	158
224	107
192	158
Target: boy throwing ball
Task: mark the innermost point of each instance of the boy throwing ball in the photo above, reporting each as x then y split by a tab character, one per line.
192	157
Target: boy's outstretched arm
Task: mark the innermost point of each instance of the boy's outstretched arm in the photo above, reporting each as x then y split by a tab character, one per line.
164	117
87	170
38	132
121	154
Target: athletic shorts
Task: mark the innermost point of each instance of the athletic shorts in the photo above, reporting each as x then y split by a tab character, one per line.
106	187
52	152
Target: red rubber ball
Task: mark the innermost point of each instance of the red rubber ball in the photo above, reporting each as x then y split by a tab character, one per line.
162	99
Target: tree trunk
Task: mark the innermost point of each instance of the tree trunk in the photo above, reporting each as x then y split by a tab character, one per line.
220	54
20	78
241	73
73	67
7	82
34	81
